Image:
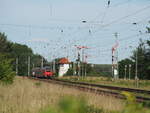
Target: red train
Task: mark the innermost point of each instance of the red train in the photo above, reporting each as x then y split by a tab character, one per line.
42	72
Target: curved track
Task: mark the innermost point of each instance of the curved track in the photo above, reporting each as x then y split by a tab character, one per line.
100	89
109	87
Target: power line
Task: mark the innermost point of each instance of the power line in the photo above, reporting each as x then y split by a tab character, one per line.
103	16
117	20
121	3
120	40
132	25
122	18
47	27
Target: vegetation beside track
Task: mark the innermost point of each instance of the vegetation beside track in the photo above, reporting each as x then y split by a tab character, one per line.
142	84
14	58
76	105
30	96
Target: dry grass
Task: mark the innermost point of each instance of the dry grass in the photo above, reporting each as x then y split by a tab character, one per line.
29	96
143	84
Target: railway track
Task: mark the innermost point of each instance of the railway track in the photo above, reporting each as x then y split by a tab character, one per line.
100	89
109	87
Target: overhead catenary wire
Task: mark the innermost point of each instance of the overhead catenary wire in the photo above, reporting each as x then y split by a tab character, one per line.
94	19
131	15
47	27
118	20
120	40
92	32
127	28
129	37
122	18
112	6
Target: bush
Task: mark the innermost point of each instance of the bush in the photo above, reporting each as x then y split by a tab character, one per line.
38	84
79	105
6	71
131	105
72	105
69	72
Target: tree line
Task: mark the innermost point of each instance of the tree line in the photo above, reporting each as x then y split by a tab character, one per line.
139	62
12	53
141	58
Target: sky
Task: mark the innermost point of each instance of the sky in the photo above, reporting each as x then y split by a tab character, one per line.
52	28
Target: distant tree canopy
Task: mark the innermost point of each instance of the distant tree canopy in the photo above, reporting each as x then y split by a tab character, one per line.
22	52
6	70
143	59
102	70
5	45
122	64
142	55
9	52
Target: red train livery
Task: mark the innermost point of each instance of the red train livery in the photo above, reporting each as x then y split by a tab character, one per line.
42	72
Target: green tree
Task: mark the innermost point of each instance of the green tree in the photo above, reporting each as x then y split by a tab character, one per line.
6	71
147	61
5	45
122	64
140	52
142	55
21	52
36	60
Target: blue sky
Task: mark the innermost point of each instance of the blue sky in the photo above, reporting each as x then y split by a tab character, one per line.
38	23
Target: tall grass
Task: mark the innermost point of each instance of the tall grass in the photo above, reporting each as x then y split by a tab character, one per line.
132	107
72	105
29	96
143	84
79	105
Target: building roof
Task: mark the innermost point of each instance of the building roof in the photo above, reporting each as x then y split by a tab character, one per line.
64	61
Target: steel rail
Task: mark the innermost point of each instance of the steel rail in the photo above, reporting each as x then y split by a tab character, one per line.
91	89
109	87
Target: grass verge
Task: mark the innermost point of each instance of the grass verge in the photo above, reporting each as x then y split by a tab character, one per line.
30	96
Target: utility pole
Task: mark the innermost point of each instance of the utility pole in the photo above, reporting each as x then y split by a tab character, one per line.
79	65
125	72
33	65
54	66
85	70
51	65
85	64
42	62
78	60
130	71
16	66
136	71
112	65
28	65
82	62
115	59
136	63
74	63
136	67
117	68
73	68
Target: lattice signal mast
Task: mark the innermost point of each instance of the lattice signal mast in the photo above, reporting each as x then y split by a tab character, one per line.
80	50
115	58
